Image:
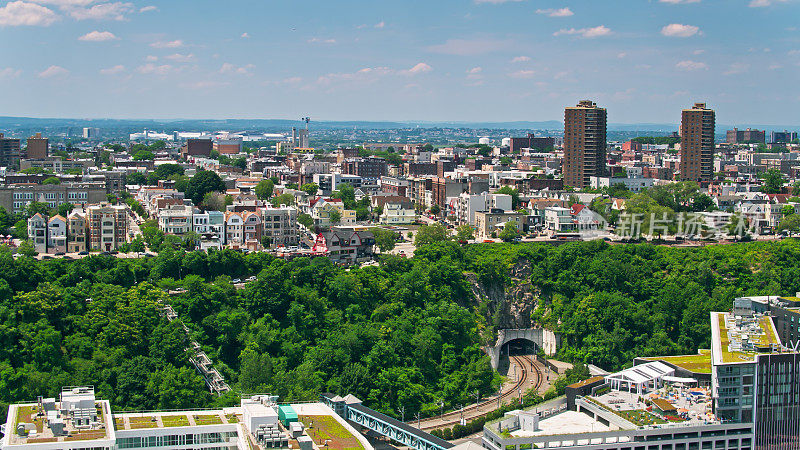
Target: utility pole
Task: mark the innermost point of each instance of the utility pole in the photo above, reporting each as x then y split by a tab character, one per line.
477	397
402	411
418	419
441	409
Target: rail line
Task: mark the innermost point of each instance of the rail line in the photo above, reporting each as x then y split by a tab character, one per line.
522	362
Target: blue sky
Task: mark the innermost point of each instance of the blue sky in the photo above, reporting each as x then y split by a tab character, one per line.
460	60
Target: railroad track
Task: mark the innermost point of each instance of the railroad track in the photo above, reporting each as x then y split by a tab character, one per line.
454	417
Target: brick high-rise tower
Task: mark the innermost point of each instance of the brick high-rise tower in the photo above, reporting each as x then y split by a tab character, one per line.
584	143
697	144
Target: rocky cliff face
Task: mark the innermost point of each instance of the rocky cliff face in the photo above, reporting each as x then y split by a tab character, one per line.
509	306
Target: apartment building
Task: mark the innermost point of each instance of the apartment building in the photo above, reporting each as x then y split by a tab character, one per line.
108	226
748	136
493	221
584	143
55	164
77	230
176	219
466	205
322	210
57	234
279	227
398	213
697	144
37	232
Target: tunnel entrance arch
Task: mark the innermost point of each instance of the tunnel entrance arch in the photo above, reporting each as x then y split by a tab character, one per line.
541	338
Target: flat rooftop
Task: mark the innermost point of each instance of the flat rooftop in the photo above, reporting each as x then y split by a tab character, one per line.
567	422
738	339
137	421
699	363
39	429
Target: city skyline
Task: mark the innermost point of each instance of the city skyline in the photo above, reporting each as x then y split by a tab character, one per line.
466	60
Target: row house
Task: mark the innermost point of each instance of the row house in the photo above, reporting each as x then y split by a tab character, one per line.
102	227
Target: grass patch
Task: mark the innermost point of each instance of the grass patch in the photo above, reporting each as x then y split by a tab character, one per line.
232	418
641	417
142	422
321	428
700	363
175	421
210	419
119	423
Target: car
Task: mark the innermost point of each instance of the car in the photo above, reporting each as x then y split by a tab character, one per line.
488	241
60	253
47	257
67	257
114	252
237	281
83	253
253	278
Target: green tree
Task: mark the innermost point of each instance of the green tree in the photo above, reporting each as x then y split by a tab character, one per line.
283	199
509	232
202	183
310	188
789	223
335	217
430	234
143	155
464	233
51	180
137	178
384	239
65	208
306	220
773	182
34	208
26	248
264	189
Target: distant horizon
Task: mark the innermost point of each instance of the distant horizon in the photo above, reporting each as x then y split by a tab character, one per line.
522	124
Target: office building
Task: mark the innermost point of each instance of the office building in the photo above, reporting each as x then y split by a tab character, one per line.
782	137
230	146
91	133
197	147
584	143
516	144
37	147
9	151
748	136
697	144
15	197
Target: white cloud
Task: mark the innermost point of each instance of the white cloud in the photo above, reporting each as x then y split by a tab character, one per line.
475	70
53	72
245	35
98	36
148	9
775	66
20	13
119	68
9	72
169	44
679	30
737	68
321	41
151	68
587	33
199	85
66	3
689	65
621	55
676	2
551	12
519	59
522	74
380	24
764	3
177	57
468	47
230	68
151	58
103	11
292	80
417	69
698	52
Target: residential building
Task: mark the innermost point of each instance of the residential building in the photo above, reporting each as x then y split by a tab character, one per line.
748	136
176	219
369	169
394	186
37	232
57	234
345	245
398	213
697	144
279	227
210	226
323	208
558	219
466	205
77	230
584	143
634	184
329	182
91	133
108	226
37	147
9	151
493	221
